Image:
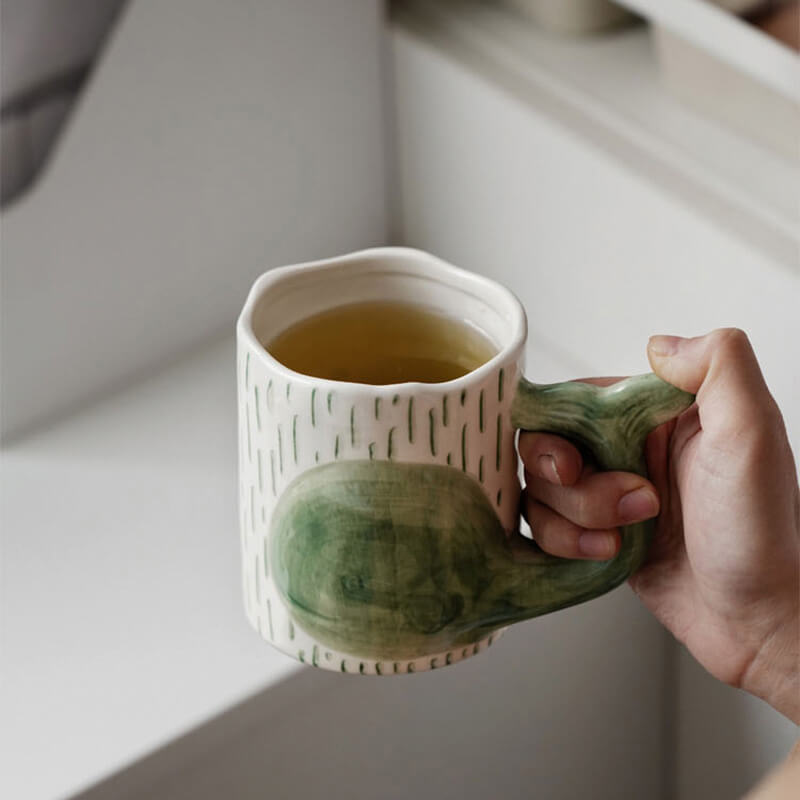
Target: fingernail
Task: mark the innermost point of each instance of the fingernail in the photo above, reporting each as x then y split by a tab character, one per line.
637	505
664	345
595	544
548	470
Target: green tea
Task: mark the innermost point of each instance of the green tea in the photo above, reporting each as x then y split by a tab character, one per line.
382	342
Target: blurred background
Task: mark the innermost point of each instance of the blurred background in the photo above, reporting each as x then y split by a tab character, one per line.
626	168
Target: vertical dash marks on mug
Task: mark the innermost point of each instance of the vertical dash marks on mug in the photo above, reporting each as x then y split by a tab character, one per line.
444	411
499	496
464	447
266	563
449	459
463	396
269	619
480	411
294	437
247	373
336	447
257	572
260	472
272	470
390	445
371	451
500	376
291	629
314	407
432	423
288	391
330	401
480	470
258	409
315	656
411	420
270	398
343	666
395	399
499	440
352	426
377	408
280	450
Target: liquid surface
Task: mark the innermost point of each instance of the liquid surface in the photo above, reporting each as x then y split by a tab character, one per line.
382	342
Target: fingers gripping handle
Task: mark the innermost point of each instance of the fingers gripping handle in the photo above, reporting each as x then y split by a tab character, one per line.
612	424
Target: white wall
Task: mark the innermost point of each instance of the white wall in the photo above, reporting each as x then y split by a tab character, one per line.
214	141
601	256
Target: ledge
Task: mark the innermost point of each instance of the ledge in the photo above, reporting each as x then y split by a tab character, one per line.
122	624
608	90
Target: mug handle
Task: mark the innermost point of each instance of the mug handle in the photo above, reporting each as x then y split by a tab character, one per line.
612	424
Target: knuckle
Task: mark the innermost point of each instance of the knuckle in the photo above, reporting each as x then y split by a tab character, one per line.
732	341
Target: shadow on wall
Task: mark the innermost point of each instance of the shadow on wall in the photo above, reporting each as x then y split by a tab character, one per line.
47	50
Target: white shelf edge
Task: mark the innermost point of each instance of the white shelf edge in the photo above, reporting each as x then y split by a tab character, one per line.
728	38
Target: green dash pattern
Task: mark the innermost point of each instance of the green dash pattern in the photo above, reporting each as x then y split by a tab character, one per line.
499	441
389	445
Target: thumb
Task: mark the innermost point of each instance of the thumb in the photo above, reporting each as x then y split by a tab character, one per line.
721	369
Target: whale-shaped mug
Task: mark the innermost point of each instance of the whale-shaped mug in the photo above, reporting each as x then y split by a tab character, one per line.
380	523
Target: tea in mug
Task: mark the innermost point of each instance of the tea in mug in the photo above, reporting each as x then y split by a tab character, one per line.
381	342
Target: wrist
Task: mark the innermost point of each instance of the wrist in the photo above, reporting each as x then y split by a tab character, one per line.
774	673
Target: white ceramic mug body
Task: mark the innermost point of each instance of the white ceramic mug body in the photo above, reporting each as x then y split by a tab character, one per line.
290	423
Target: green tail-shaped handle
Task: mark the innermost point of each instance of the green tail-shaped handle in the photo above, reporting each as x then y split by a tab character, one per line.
612	424
390	560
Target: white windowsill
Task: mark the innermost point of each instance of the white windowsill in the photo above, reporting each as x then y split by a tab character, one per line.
122	625
608	90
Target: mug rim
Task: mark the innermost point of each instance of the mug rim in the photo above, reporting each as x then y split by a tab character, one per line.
271	278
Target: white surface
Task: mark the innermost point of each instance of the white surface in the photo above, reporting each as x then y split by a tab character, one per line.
214	140
122	623
727	37
498	177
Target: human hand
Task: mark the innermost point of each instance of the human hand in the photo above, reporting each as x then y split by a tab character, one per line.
723	572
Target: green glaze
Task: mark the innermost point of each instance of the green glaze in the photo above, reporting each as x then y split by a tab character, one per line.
389	560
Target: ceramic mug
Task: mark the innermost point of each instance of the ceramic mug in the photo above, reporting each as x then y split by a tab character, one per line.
379	524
